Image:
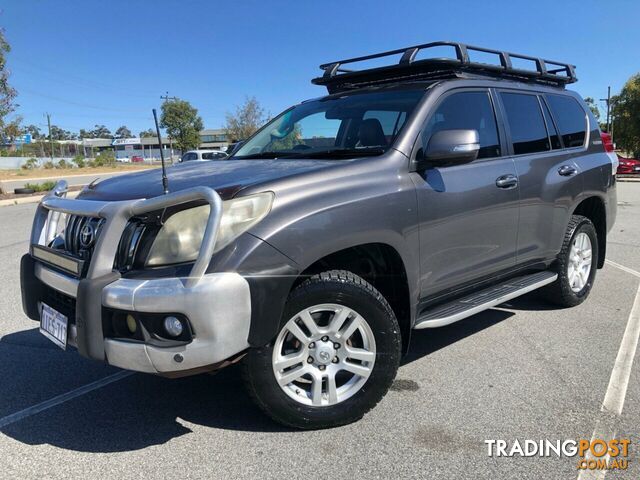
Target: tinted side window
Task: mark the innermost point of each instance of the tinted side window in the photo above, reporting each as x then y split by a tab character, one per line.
528	132
467	110
551	127
571	119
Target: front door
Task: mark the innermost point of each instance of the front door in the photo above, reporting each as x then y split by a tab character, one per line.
468	214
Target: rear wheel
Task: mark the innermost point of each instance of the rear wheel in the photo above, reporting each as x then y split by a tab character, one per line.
577	264
334	358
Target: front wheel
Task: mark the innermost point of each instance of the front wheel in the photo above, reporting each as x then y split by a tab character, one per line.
576	265
334	358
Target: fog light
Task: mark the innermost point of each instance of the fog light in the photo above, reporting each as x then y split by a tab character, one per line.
173	326
132	324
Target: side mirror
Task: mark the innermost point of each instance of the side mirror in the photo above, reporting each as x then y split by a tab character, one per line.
452	147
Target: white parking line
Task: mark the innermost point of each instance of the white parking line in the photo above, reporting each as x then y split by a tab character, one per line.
623	268
619	380
47	404
617	389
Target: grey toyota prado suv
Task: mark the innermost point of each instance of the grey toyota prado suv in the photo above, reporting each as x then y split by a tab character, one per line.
413	195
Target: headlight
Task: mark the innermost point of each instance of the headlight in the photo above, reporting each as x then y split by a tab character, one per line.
180	237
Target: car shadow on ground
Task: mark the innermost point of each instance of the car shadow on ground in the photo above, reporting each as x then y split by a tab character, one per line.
133	413
532	302
144	410
425	342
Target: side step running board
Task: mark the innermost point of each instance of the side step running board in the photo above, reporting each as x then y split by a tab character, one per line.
464	307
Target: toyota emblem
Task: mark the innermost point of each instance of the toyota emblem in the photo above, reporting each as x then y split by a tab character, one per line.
87	235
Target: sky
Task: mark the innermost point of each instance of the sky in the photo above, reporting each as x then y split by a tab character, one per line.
108	62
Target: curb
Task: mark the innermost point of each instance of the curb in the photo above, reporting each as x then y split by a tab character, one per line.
61	177
33	199
627	179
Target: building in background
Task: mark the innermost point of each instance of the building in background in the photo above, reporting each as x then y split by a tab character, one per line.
148	148
124	149
214	139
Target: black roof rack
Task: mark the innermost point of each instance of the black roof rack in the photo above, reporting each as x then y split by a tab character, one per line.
336	78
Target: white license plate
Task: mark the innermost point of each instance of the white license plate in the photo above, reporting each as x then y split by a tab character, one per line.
637	169
53	325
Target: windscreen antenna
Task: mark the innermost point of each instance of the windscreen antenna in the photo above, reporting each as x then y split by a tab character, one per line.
165	180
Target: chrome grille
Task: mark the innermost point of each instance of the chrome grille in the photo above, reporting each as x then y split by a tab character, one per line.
81	234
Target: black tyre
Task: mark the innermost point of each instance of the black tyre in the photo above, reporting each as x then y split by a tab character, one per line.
576	265
335	357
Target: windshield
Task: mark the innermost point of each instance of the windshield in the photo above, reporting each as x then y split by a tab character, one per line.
347	126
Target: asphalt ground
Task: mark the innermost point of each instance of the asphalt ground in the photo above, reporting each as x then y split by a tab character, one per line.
525	370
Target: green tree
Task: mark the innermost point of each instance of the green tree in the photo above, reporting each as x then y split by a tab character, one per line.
7	93
123	132
58	133
591	103
12	129
85	133
100	131
182	123
147	133
247	118
626	114
35	132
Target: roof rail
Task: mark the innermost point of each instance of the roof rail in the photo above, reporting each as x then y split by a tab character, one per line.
336	78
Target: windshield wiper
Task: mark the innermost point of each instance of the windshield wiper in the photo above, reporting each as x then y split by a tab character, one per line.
338	152
267	154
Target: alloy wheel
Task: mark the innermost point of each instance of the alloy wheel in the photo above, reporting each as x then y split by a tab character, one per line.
324	355
579	265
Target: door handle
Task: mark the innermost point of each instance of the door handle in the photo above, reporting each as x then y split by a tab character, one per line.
507	181
567	170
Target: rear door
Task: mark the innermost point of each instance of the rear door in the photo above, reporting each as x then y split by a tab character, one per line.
548	176
468	218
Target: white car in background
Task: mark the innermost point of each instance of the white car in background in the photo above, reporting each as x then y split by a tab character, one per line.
202	155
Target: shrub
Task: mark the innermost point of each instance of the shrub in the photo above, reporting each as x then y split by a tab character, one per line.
105	159
48	185
48	165
30	164
41	187
79	161
63	164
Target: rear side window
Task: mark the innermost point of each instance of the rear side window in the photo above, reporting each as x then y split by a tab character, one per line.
528	131
467	110
571	119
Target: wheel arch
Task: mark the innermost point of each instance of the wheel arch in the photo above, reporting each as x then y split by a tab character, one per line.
382	266
594	209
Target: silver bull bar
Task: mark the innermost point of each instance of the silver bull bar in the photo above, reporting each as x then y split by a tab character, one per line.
116	216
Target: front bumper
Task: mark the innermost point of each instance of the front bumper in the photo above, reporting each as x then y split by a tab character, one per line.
218	308
217	305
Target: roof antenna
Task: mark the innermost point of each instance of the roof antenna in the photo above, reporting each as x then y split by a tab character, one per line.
165	180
